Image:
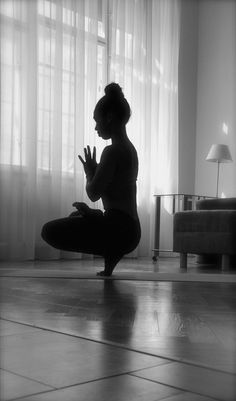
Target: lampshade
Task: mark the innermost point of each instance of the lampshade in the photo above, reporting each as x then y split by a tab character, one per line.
219	153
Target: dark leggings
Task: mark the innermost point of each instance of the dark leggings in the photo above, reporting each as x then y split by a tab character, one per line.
111	234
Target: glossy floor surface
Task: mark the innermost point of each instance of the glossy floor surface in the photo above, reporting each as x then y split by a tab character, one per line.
119	340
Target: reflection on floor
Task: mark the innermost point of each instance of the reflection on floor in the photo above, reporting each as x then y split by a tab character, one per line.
78	339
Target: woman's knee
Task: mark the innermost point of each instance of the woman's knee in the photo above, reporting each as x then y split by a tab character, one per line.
48	231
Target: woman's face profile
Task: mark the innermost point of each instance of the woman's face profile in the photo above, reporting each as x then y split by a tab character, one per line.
102	127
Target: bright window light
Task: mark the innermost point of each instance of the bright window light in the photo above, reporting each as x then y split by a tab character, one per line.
225	128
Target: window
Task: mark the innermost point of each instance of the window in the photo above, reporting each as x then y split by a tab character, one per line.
72	23
58	40
12	24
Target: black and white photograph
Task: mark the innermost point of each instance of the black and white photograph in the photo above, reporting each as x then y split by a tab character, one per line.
118	200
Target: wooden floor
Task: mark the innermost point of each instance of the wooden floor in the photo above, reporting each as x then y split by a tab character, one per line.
79	339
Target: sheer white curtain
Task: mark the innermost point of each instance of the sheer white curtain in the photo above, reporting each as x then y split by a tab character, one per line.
51	74
53	70
144	60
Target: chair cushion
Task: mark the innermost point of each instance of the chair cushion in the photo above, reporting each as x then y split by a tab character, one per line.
205	231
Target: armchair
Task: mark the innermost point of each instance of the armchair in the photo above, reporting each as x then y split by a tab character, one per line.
209	231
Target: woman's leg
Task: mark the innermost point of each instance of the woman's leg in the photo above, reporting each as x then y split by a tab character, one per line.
111	235
123	235
76	234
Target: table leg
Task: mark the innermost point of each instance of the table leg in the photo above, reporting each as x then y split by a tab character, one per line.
183	260
157	228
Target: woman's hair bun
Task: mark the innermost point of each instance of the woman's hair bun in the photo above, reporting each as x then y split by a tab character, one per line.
113	102
114	91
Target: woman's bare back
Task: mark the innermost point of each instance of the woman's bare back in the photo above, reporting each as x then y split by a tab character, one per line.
120	192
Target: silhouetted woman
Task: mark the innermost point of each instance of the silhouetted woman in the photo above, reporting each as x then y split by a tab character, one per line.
115	232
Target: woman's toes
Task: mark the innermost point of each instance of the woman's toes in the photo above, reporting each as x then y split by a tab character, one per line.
103	274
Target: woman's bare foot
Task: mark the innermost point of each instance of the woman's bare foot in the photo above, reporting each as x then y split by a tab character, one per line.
110	264
103	273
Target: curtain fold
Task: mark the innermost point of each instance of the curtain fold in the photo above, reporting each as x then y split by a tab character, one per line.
144	60
53	70
49	87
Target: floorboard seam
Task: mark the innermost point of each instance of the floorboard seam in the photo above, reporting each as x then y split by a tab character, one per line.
30	395
54	389
22	297
149	367
116	345
28	378
175	387
228	278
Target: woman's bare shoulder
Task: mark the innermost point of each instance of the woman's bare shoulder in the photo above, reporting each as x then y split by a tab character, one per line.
119	151
109	156
111	151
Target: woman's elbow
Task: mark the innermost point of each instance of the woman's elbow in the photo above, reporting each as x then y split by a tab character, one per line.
93	195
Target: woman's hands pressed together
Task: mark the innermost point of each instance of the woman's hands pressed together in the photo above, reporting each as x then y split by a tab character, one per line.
89	163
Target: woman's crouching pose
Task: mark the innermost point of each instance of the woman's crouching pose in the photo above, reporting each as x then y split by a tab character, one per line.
115	232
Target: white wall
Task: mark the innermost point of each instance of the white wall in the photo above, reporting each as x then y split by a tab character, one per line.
188	55
216	94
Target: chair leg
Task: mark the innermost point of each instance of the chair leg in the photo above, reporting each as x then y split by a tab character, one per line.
183	260
225	262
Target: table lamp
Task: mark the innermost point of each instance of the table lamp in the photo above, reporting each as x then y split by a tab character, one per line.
219	153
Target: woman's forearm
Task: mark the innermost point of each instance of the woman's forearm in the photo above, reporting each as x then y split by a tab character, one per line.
93	196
